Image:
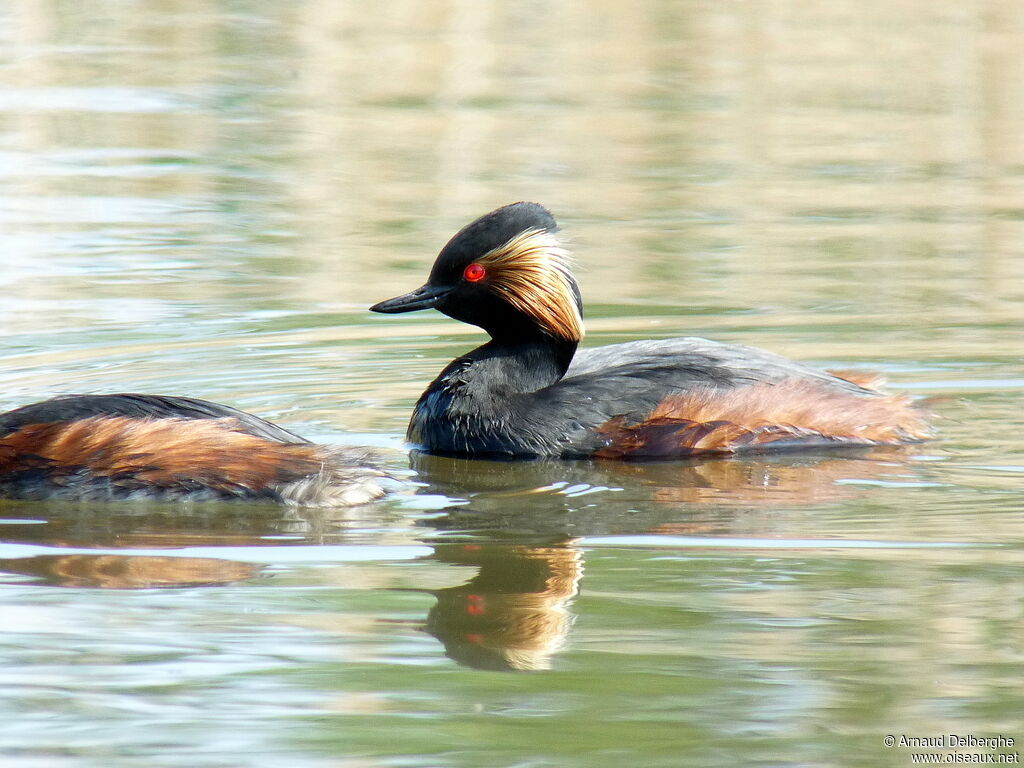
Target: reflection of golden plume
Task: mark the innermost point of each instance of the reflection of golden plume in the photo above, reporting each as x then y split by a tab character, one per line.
532	273
130	571
514	613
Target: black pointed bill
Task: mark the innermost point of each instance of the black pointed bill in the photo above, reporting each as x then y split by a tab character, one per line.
425	297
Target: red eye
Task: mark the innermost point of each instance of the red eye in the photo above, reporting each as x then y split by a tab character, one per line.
474	273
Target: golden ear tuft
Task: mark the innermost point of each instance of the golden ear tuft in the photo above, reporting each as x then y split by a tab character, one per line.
532	272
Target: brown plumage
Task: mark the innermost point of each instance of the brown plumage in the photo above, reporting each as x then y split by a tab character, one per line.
179	456
794	413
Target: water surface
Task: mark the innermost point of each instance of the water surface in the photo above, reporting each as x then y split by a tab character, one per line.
203	197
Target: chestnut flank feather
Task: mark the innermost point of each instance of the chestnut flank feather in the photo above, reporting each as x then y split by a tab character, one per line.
185	454
793	412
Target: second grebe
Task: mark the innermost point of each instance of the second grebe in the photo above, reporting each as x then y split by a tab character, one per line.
529	392
102	447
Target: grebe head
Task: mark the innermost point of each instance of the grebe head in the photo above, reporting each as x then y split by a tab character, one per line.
506	272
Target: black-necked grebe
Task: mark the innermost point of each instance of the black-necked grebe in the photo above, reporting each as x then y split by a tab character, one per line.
171	448
529	392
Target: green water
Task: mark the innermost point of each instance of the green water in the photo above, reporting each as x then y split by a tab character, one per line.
202	198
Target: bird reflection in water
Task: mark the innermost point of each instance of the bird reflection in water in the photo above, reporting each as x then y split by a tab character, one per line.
523	528
514	614
130	527
524	519
108	571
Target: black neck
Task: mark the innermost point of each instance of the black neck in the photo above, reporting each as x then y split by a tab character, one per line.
479	401
521	366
